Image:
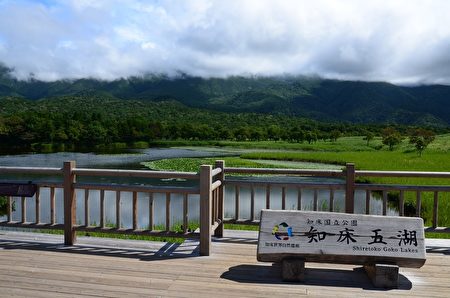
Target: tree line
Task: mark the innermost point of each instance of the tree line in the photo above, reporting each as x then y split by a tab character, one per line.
93	121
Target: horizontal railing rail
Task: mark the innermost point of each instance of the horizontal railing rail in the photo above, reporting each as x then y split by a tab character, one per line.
135	173
32	225
272	171
30	170
43	184
138	188
424	188
410	174
318	185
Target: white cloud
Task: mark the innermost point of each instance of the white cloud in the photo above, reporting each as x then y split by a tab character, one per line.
399	41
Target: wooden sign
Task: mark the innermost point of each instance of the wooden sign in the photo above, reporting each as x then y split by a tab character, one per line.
341	238
18	189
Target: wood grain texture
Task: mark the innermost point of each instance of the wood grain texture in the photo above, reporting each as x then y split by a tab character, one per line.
52	206
69	203
38	206
350	188
341	238
205	209
102	208
220	164
111	268
24	209
134	211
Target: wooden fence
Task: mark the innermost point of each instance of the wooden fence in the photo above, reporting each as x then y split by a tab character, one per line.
208	187
348	177
209	184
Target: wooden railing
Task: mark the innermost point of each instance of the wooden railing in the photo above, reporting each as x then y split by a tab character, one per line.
401	189
347	184
268	185
209	184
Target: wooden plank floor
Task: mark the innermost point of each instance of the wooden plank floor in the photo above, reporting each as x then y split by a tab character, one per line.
37	265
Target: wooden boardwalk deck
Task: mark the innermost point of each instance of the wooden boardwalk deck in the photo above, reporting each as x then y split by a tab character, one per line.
37	265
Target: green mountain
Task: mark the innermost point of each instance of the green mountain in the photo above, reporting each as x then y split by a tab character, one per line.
325	100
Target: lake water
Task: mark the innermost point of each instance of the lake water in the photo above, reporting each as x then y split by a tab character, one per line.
133	159
130	160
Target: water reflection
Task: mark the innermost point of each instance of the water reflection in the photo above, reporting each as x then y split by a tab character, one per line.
92	160
176	206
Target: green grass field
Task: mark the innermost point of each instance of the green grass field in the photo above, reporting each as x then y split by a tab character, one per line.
385	160
375	156
354	143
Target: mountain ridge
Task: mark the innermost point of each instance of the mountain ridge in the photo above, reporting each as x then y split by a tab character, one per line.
316	98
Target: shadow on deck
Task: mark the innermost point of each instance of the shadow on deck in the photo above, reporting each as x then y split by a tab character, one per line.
347	278
142	250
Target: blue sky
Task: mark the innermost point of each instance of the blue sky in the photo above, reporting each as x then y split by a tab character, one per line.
397	41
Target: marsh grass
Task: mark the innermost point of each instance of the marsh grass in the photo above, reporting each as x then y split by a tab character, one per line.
230	226
435	159
193	164
437	235
350	143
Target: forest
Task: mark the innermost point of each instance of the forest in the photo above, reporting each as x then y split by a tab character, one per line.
88	121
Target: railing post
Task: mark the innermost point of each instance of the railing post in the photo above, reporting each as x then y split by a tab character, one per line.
10	208
69	203
350	188
205	209
219	230
435	209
